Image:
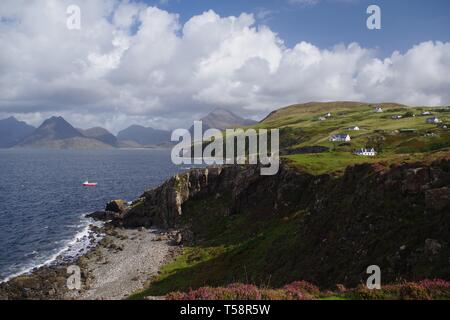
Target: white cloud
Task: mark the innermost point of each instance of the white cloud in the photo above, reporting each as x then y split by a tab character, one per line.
134	63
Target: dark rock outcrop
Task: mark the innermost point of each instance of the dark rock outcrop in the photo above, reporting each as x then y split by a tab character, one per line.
47	283
396	217
103	215
117	206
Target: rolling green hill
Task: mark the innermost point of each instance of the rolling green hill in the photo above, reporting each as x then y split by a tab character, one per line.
322	218
410	138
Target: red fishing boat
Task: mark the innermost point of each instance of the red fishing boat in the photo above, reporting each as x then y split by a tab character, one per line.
89	184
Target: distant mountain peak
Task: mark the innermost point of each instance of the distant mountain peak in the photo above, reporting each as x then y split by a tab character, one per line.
143	136
222	119
100	134
56	132
222	111
12	131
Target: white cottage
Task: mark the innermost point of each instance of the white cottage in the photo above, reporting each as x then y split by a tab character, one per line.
340	138
355	128
366	152
378	110
433	120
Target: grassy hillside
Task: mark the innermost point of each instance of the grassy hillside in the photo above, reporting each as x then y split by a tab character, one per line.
229	249
407	139
321	229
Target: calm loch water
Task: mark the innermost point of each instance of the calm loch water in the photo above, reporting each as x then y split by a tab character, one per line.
43	203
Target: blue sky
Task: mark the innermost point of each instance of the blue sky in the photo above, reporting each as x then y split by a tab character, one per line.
328	22
128	63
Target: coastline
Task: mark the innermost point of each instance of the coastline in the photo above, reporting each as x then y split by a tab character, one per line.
116	263
81	243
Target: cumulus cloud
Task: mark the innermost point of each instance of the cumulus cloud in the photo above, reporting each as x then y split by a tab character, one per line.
133	63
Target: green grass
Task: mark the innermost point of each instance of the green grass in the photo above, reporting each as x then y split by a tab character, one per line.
229	249
345	115
300	128
326	162
337	162
256	247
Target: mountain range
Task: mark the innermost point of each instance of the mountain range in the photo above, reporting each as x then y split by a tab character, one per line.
144	136
12	131
223	119
57	133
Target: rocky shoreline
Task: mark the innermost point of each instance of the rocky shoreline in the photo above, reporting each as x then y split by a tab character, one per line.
393	216
113	268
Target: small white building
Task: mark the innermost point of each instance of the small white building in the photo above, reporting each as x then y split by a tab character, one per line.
378	110
355	128
426	113
396	117
340	138
433	120
327	115
366	152
322	119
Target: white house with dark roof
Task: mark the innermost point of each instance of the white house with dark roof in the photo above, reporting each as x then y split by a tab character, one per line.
433	120
378	110
366	152
340	138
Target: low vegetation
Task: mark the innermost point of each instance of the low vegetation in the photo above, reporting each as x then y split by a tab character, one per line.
410	138
256	254
302	290
228	249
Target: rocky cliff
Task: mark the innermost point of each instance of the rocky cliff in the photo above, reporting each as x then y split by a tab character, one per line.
396	217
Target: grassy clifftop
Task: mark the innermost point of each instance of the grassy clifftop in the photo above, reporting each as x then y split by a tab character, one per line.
313	224
327	229
406	139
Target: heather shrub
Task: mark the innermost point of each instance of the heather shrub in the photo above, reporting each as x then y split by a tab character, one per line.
273	294
176	296
237	291
304	286
243	292
234	291
437	288
413	291
363	293
341	288
301	290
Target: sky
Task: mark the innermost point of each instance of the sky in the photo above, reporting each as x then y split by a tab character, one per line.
165	63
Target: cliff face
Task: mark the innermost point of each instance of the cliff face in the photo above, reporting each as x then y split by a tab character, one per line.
397	217
363	188
244	186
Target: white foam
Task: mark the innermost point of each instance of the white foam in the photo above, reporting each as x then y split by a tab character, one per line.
70	250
